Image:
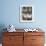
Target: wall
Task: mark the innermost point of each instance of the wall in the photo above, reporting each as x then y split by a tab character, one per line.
10	13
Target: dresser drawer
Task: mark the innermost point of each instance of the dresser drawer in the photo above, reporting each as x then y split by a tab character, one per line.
13	33
13	44
12	39
37	44
34	33
37	39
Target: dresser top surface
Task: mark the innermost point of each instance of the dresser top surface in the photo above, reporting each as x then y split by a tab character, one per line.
22	30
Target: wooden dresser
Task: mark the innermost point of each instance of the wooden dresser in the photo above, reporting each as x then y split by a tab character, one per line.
23	39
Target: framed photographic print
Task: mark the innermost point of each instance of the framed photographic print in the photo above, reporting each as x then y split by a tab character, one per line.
26	13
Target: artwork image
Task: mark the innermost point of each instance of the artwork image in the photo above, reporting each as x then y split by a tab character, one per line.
26	13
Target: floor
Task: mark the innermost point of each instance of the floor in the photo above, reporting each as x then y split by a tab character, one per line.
0	44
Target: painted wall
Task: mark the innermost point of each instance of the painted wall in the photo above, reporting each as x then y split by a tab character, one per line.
9	13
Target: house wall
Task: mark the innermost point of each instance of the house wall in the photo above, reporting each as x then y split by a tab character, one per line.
10	13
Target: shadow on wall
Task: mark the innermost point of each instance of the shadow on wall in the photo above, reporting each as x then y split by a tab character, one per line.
2	26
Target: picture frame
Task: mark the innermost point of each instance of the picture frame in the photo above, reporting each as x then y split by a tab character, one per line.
26	13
